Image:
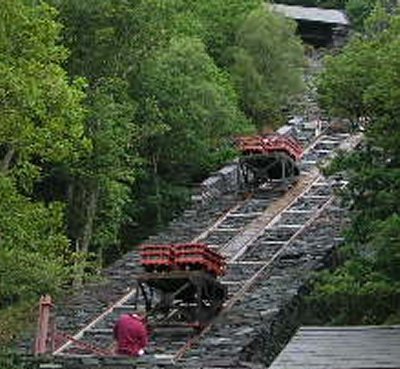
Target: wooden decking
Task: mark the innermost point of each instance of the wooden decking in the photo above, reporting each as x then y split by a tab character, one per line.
366	347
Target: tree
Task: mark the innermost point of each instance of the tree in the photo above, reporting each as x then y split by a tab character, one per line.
358	11
40	110
366	288
34	252
221	21
41	125
341	95
102	38
189	109
363	12
386	242
351	77
196	103
267	65
99	183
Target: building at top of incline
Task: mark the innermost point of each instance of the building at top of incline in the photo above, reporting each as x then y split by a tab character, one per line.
317	27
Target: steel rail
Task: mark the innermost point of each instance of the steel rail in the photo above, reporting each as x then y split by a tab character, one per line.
76	337
317	139
268	218
221	219
351	143
276	256
251	281
249	196
247	284
97	350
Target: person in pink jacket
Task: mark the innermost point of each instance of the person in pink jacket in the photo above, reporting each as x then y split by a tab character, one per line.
131	334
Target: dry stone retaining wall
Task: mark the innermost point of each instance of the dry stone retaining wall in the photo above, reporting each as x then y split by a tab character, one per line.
255	330
226	180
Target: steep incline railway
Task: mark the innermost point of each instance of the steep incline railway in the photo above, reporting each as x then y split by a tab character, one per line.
276	218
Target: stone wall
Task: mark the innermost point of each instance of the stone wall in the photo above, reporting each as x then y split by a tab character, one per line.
226	180
251	334
255	330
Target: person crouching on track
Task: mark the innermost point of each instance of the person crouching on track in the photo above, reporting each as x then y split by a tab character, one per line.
131	334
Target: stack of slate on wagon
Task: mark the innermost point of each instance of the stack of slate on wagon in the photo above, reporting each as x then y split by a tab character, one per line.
268	157
180	285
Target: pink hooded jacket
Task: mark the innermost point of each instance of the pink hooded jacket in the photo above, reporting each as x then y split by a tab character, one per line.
131	334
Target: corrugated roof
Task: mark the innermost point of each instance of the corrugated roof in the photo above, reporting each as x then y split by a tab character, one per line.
369	347
312	14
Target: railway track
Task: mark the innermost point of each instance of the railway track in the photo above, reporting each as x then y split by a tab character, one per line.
276	217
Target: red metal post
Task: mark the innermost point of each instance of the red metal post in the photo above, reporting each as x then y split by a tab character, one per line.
42	336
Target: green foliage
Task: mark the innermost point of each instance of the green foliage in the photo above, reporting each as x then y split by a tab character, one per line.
220	21
186	105
355	84
366	289
341	94
358	11
355	295
102	38
39	109
157	201
41	125
158	22
33	252
112	37
378	20
10	359
196	103
100	181
386	243
267	65
363	13
99	35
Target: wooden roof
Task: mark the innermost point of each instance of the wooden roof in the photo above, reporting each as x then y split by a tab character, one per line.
366	347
